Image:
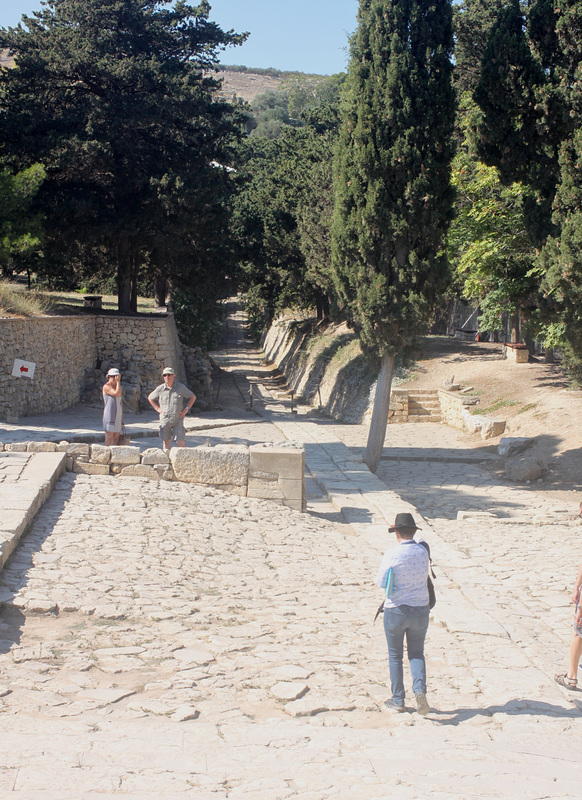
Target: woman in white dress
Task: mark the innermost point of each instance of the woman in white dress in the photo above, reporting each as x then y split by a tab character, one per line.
113	408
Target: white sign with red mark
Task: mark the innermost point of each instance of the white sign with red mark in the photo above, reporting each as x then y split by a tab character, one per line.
23	369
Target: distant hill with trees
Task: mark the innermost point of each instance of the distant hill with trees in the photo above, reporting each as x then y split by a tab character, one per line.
246	83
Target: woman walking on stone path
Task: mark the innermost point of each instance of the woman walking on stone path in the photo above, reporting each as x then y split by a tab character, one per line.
113	407
404	569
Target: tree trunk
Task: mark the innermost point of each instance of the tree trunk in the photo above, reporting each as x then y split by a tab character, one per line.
160	289
377	431
133	282
123	276
515	333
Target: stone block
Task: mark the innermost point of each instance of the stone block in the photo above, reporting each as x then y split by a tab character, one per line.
519	355
472	423
492	428
165	471
41	447
523	469
221	465
125	455
154	455
232	488
100	454
292	490
16	447
268	490
510	445
74	449
282	489
284	462
296	505
88	468
140	471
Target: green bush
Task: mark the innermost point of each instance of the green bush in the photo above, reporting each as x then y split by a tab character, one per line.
199	320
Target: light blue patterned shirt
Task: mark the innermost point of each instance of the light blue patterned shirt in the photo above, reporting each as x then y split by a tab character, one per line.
409	563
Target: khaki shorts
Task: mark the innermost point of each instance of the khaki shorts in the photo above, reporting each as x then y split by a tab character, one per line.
173	430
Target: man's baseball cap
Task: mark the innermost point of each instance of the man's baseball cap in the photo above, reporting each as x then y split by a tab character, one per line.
113	372
168	371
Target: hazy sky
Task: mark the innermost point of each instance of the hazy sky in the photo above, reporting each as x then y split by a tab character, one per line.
306	35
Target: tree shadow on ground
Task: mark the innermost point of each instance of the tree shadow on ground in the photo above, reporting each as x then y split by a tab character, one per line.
11	624
15	575
515	708
440	482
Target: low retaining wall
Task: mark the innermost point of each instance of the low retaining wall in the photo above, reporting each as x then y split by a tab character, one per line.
515	352
455	412
265	471
452	407
323	364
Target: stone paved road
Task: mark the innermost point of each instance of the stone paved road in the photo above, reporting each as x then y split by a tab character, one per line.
180	642
212	646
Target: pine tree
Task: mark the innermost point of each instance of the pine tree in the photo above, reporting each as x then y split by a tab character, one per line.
392	177
111	96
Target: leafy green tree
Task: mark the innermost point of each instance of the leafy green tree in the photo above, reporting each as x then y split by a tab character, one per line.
393	192
524	118
114	99
264	224
270	113
281	219
20	228
488	244
530	129
560	262
314	227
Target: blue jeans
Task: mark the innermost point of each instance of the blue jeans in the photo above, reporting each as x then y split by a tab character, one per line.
412	621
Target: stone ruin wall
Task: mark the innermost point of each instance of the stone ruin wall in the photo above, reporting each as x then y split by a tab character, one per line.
73	354
140	348
62	348
265	471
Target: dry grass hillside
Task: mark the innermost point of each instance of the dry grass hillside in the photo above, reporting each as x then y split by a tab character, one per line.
247	85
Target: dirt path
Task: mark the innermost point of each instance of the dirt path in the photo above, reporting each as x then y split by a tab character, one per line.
536	399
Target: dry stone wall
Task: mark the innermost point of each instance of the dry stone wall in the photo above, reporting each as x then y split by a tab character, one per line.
266	471
72	356
323	364
140	347
62	348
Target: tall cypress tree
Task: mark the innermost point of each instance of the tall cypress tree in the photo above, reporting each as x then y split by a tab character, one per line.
524	117
561	257
472	21
531	97
392	177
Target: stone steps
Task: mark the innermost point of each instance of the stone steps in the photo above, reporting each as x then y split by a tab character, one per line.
415	405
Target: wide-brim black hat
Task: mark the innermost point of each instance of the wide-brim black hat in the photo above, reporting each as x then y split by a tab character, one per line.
404	522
